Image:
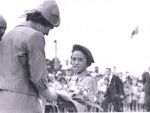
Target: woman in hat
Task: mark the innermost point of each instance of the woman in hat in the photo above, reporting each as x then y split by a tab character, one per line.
82	82
23	76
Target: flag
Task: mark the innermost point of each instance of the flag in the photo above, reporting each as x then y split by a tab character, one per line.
135	31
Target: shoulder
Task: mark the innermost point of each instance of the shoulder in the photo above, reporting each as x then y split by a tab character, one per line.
35	40
145	73
115	76
28	32
36	35
25	27
88	76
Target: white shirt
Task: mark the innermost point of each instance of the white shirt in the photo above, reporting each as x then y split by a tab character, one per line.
110	77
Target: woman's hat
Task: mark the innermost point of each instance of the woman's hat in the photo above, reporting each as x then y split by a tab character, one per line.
50	11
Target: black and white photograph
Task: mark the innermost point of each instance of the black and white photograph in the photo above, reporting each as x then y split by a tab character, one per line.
74	56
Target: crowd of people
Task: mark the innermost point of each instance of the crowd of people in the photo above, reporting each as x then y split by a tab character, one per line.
31	80
133	92
133	88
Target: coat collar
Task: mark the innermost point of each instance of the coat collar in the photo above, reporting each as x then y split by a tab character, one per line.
24	24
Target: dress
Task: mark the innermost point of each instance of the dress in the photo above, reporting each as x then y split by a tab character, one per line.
141	97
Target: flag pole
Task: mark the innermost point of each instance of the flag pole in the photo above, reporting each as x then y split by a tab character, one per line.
55	41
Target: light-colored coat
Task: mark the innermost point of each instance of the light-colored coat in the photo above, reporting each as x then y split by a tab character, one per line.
23	70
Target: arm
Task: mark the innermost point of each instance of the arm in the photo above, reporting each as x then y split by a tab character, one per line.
120	86
144	78
92	89
37	66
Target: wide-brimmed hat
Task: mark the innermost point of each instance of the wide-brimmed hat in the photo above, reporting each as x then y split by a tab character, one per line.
50	11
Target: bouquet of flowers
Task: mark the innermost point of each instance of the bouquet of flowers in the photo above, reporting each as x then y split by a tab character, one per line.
81	93
78	93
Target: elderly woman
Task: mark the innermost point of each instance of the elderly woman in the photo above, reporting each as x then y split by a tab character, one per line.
82	83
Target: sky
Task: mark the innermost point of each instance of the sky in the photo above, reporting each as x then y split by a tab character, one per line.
103	26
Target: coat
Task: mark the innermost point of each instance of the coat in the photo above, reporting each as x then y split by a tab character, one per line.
115	88
23	72
146	82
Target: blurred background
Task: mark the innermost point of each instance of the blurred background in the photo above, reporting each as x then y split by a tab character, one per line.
116	31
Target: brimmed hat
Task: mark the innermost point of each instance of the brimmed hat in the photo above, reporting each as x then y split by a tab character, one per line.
86	51
50	11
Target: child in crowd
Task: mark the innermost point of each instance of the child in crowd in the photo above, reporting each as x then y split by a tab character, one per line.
141	97
128	99
135	94
102	87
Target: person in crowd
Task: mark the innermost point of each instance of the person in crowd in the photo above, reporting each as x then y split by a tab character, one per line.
101	88
141	97
135	94
114	70
67	65
146	82
68	74
48	65
120	75
53	82
23	76
63	83
114	93
128	99
59	75
95	72
128	77
3	26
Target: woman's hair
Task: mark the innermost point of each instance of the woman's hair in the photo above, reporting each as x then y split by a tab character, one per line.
37	17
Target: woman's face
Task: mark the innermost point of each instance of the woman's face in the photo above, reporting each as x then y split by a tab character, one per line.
78	61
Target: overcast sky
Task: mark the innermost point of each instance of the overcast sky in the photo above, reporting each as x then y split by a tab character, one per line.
104	26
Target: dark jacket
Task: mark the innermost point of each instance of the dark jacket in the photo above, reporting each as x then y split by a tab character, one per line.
115	88
146	82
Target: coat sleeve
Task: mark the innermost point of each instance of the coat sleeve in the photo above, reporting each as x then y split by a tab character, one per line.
120	85
37	67
92	88
144	78
36	61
